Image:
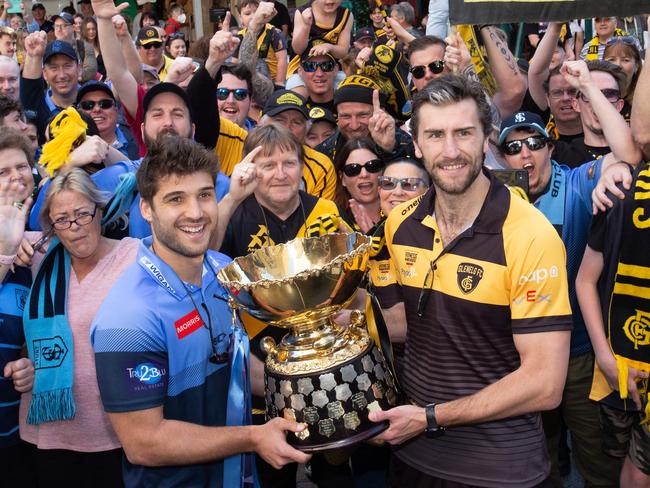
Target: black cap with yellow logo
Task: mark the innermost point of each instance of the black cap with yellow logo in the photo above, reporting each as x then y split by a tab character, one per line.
283	100
321	114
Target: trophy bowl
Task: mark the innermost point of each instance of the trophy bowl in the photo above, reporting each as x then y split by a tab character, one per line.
324	374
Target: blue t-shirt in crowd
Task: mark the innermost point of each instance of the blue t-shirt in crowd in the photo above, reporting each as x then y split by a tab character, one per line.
572	218
152	349
13	295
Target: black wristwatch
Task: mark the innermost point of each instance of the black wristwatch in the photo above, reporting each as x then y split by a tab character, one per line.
433	429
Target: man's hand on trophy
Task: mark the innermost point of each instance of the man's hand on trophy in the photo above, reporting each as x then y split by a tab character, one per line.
270	442
406	421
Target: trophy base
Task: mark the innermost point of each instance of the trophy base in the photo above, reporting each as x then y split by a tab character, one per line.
334	403
354	439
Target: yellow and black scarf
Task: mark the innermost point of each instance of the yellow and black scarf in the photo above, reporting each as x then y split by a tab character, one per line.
594	45
628	327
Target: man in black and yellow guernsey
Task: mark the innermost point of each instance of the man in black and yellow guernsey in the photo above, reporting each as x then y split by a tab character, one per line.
486	348
277	211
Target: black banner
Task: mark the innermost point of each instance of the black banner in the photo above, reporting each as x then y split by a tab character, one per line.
505	11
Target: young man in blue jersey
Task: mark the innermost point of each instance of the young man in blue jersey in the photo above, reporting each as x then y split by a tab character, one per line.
171	366
563	195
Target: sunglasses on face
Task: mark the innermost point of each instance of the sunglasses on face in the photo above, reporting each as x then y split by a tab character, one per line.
372	166
104	104
534	143
154	45
611	94
436	67
389	183
311	66
240	94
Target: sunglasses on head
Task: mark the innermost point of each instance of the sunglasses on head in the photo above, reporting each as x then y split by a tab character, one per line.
408	184
611	94
311	66
176	35
629	40
436	67
103	104
372	166
239	93
154	45
534	143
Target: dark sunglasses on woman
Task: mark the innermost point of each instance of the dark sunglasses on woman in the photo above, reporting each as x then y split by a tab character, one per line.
372	166
436	67
534	143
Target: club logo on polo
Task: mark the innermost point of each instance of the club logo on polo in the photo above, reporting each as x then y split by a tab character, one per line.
468	276
49	353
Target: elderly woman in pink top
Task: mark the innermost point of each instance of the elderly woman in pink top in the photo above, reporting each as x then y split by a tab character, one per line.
63	416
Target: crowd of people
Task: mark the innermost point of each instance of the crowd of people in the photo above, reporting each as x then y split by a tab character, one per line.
506	198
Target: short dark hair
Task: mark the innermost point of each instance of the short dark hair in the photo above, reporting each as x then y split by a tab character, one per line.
245	3
450	89
13	139
424	42
613	69
7	105
270	137
241	71
173	155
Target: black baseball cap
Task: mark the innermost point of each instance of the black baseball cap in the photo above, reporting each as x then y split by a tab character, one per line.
156	90
65	16
93	86
321	114
522	120
283	100
364	33
147	35
59	47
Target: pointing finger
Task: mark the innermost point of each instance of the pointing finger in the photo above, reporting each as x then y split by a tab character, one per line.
375	101
251	155
225	26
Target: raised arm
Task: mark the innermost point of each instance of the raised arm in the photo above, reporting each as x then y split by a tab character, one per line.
133	62
615	129
512	86
641	106
540	62
35	44
124	83
301	26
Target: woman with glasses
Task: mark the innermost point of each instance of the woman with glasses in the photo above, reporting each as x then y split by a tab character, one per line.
624	51
175	45
358	168
63	416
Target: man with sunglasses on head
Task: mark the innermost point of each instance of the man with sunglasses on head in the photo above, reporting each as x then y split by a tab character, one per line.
150	49
96	99
563	195
598	86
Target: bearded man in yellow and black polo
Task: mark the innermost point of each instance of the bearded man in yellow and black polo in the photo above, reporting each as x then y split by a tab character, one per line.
486	348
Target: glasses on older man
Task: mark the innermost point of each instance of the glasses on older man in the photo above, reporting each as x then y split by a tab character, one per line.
154	45
83	218
104	104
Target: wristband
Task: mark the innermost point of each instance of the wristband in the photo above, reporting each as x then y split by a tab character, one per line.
7	260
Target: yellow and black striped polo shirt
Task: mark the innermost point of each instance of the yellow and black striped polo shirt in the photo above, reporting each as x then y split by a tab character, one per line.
504	275
318	176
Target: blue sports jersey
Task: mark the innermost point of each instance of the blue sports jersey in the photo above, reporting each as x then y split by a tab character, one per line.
13	294
567	204
152	349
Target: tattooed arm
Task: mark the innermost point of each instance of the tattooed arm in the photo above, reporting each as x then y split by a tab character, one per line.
512	85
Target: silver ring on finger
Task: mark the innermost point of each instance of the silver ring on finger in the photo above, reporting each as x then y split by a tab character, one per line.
18	205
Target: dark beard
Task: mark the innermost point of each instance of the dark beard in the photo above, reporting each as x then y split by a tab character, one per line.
458	189
148	141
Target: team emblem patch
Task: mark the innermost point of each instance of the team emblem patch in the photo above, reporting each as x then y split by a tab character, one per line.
468	276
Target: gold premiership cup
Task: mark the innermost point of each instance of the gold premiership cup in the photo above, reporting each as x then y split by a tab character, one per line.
327	375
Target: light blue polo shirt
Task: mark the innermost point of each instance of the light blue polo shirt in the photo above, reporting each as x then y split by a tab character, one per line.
152	349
